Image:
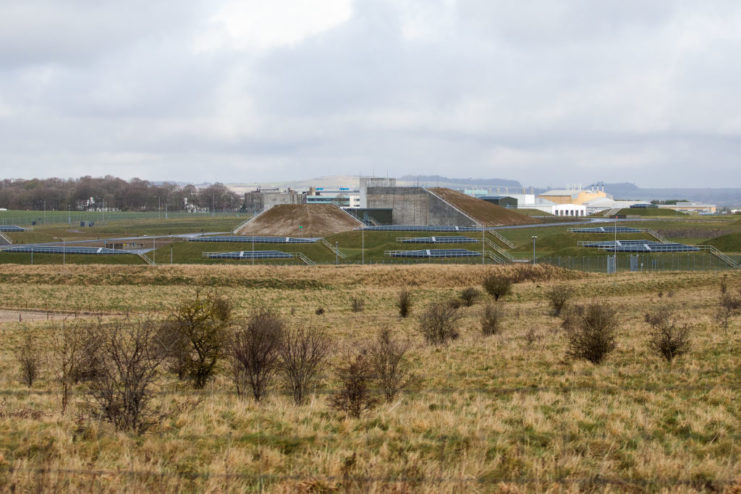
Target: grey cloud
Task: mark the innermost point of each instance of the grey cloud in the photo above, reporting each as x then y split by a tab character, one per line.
542	92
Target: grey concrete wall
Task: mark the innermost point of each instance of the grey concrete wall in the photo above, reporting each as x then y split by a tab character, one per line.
415	206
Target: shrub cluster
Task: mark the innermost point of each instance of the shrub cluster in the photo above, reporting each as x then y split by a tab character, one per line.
590	331
497	286
667	338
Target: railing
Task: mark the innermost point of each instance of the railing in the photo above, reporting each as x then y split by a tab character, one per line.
656	235
146	258
499	250
501	238
305	259
720	255
494	257
333	249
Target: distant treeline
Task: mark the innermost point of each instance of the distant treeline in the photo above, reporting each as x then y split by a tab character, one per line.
113	193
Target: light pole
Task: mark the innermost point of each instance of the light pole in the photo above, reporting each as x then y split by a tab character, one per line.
534	237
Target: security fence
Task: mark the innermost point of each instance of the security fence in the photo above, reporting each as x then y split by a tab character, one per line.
689	261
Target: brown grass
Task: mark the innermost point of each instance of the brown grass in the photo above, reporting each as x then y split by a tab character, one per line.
487	414
484	212
301	220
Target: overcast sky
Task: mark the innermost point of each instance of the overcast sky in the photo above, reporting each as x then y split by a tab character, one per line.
546	92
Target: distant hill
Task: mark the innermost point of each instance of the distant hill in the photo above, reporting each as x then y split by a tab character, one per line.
730	196
457	183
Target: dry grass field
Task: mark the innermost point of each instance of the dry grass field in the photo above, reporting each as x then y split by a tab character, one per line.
508	412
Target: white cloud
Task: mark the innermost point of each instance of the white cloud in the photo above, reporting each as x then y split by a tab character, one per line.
256	25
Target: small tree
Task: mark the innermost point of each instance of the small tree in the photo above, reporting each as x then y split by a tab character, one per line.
438	323
469	296
591	332
497	286
255	350
404	302
390	368
667	339
491	318
302	354
29	359
202	322
128	366
558	296
354	395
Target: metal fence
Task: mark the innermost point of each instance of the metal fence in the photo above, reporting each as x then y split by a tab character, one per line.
690	261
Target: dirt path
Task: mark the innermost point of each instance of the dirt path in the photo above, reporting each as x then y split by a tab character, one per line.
20	315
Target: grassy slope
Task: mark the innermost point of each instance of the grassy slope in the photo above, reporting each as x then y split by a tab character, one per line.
726	243
484	409
650	212
482	211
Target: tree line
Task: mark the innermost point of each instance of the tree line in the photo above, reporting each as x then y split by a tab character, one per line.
113	193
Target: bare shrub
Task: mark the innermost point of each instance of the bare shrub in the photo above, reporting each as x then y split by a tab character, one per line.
404	302
127	368
302	354
354	394
497	286
491	319
591	332
319	311
71	355
667	339
469	296
175	348
390	368
438	323
201	324
254	352
558	296
357	304
729	305
29	359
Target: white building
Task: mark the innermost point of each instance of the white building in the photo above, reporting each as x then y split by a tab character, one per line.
569	210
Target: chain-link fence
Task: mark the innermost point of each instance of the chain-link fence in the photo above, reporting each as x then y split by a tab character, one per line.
690	261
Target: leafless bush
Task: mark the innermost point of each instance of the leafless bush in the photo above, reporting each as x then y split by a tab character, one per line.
491	319
667	339
729	305
71	354
497	286
29	359
254	352
404	302
354	395
438	323
175	348
128	366
469	296
302	354
390	368
357	304
201	325
319	311
591	332
558	296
